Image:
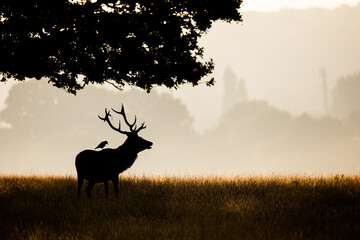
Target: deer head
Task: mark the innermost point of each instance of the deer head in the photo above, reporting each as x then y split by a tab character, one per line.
134	141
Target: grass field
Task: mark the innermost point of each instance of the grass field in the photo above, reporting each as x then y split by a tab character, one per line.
182	208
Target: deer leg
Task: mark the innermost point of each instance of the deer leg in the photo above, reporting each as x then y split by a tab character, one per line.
80	183
89	188
116	186
106	188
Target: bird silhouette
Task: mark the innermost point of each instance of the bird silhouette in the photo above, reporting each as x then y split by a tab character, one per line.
102	144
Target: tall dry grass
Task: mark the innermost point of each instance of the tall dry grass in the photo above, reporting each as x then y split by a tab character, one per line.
182	208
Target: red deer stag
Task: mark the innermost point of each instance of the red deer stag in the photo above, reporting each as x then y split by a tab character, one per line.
107	164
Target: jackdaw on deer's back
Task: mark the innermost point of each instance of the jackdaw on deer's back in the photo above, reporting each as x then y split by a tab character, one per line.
102	145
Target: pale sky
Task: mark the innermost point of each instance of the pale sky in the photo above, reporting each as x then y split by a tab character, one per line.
274	5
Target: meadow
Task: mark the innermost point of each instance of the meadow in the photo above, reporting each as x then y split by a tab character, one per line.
277	207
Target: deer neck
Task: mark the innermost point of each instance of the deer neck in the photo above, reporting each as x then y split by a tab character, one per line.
126	157
126	149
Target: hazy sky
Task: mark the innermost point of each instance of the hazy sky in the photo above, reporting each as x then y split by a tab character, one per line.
274	5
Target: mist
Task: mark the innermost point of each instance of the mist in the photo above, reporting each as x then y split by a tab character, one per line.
47	128
286	101
279	56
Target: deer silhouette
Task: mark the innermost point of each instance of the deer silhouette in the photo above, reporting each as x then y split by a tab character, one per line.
107	164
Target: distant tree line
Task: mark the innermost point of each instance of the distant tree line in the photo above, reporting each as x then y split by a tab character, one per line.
49	127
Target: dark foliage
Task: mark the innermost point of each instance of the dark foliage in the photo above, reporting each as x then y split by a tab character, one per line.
143	43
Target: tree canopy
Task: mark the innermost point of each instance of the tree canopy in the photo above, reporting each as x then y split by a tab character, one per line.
143	43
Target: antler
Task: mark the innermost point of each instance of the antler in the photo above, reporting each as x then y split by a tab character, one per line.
106	119
133	127
122	112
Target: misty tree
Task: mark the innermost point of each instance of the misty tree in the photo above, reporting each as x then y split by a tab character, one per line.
142	43
44	121
346	99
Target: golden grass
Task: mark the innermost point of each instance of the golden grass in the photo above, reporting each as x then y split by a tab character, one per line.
182	208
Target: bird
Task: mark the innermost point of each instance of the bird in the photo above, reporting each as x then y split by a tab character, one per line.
102	144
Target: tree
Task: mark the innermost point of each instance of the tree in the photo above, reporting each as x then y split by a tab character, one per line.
345	96
143	43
